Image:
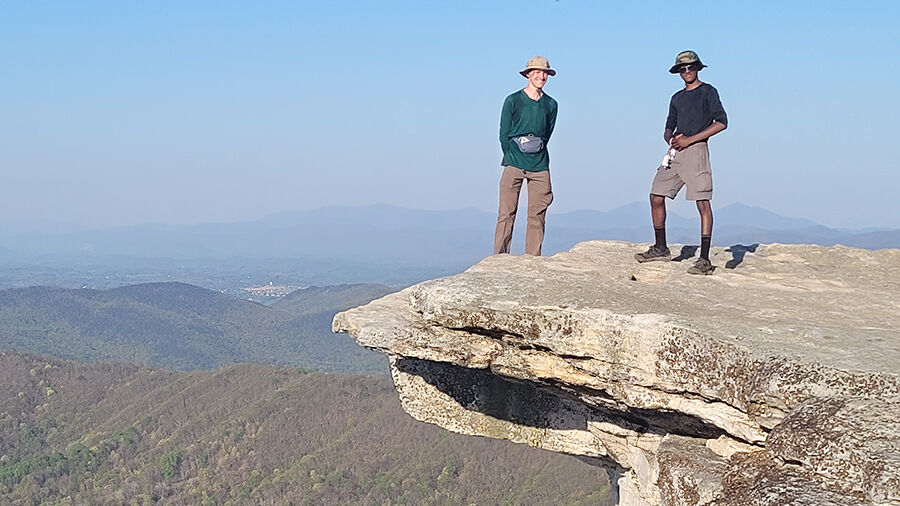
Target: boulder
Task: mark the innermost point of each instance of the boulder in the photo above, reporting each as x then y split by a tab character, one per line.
782	366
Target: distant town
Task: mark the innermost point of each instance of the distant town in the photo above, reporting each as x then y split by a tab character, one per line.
270	290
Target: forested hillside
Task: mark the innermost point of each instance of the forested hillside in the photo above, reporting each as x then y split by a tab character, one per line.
328	299
181	326
114	433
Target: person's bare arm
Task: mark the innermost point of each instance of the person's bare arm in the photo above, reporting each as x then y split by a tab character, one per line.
680	142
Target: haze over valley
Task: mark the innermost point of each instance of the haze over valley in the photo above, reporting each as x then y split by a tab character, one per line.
371	244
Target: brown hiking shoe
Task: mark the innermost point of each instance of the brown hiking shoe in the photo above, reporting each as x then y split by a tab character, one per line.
653	254
701	266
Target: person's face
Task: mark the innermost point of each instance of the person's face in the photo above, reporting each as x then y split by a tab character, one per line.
689	72
538	78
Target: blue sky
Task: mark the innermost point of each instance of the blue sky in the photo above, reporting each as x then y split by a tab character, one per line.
119	113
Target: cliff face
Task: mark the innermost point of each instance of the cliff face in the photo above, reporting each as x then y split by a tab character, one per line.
773	381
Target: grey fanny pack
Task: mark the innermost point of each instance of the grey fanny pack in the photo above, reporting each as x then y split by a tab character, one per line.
530	143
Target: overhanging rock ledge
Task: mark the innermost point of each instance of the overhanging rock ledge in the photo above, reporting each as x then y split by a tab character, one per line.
773	381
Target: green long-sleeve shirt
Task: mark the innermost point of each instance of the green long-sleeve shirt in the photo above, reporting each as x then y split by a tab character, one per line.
522	116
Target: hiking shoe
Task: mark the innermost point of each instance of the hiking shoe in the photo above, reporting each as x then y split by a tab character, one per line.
654	253
701	266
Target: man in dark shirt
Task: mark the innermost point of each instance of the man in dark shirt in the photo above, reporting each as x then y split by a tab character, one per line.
695	115
526	123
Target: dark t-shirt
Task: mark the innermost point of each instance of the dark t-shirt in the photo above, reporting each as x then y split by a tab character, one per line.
690	111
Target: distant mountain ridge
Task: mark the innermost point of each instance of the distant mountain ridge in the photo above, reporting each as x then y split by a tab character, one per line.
749	216
383	243
316	300
378	231
182	326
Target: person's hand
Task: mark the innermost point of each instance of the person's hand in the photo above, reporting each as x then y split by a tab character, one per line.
680	142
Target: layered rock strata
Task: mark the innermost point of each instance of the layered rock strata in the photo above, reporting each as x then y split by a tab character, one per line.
773	381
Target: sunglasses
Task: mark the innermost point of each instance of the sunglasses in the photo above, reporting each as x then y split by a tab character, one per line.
687	68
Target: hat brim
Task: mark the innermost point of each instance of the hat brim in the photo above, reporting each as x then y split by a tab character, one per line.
525	72
674	69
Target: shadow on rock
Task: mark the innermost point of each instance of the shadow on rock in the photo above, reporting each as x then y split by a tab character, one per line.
737	254
686	252
548	406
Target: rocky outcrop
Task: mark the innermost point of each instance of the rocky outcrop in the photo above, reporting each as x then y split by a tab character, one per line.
773	381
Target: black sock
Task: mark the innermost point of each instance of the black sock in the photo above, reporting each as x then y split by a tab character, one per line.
660	236
704	246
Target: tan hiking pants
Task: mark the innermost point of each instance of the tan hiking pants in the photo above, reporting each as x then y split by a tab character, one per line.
540	195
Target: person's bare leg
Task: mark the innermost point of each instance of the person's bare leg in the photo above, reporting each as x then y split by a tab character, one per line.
659	250
706	217
658	213
658	210
706	224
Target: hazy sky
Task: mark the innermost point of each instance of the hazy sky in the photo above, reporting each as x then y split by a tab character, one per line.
131	112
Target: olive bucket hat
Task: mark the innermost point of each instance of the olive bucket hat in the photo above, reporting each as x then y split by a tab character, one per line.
537	63
686	58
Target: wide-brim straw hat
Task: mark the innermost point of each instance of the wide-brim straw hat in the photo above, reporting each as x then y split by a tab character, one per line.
685	58
537	63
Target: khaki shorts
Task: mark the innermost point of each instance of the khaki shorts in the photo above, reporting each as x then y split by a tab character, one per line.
689	168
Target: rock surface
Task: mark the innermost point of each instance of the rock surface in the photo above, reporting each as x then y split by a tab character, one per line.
773	381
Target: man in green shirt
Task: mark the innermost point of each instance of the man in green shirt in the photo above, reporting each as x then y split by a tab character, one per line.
526	123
